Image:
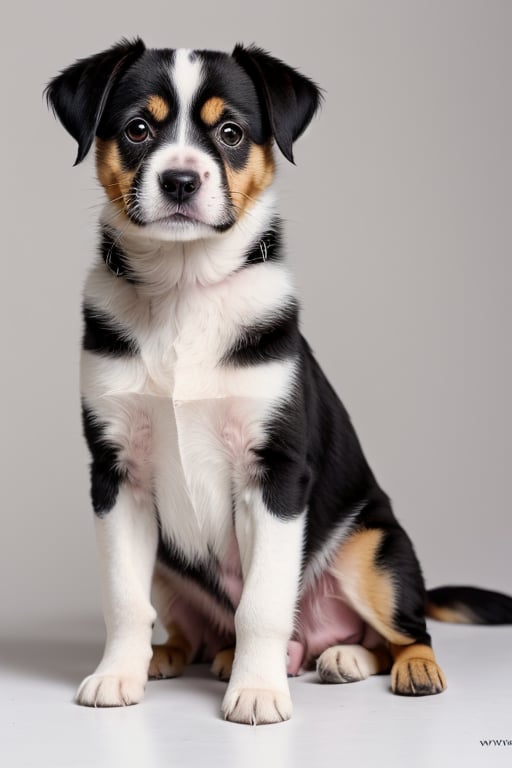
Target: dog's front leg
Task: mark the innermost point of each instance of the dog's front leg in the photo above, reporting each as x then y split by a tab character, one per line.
271	553
127	539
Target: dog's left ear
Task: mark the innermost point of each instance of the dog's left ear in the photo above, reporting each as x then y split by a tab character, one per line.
79	94
289	98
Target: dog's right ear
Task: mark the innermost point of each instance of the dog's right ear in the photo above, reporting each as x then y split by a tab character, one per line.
289	98
79	94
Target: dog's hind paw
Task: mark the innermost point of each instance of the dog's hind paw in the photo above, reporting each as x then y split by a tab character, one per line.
417	677
167	661
110	691
256	706
349	664
223	664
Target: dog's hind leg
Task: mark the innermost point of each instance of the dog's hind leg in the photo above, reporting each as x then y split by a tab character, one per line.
381	578
169	658
223	663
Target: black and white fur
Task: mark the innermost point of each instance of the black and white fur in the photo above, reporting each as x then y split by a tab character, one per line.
211	427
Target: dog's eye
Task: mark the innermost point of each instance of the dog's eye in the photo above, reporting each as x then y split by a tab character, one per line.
137	130
231	134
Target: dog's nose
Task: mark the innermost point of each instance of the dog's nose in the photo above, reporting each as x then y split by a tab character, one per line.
179	186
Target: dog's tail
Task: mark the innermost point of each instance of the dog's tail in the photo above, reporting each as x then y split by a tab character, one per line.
469	605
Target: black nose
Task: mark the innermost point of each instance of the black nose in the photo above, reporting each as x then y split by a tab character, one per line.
179	186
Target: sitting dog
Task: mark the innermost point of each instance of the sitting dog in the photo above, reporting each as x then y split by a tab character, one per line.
226	475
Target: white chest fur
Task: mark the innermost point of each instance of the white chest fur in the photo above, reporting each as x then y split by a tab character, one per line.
185	423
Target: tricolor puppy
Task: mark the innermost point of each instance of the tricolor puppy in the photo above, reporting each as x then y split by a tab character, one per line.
226	476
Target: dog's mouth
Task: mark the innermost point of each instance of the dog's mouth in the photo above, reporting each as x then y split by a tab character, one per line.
178	218
180	221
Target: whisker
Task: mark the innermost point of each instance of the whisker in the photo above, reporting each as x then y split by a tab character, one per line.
238	192
113	200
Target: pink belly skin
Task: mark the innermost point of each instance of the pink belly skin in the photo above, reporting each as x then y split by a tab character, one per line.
324	619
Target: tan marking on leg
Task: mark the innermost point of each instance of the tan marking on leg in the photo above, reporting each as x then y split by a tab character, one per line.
158	108
248	183
368	587
223	663
166	661
116	180
169	659
415	671
212	110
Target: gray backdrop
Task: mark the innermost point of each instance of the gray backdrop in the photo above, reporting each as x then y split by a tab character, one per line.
398	216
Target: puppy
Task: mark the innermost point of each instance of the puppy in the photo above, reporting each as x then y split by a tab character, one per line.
226	475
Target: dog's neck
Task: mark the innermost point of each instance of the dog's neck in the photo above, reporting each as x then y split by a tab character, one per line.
158	265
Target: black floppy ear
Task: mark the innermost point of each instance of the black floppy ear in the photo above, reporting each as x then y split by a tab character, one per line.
290	99
79	94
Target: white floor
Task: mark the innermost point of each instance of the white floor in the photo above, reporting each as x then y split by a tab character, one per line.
178	724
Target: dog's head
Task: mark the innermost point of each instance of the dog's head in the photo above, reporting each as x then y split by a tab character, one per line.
183	138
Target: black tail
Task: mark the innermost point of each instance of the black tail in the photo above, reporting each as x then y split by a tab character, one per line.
469	605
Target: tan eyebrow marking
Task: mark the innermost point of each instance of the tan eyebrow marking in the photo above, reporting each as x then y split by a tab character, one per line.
158	107
212	110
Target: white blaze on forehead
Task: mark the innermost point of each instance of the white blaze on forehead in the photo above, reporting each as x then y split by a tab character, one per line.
186	76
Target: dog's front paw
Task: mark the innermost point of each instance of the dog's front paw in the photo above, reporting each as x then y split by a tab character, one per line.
110	691
256	706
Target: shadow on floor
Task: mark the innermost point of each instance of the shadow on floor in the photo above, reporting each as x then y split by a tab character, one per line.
66	653
53	653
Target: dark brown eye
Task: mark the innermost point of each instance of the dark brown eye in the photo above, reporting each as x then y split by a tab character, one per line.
137	130
231	134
